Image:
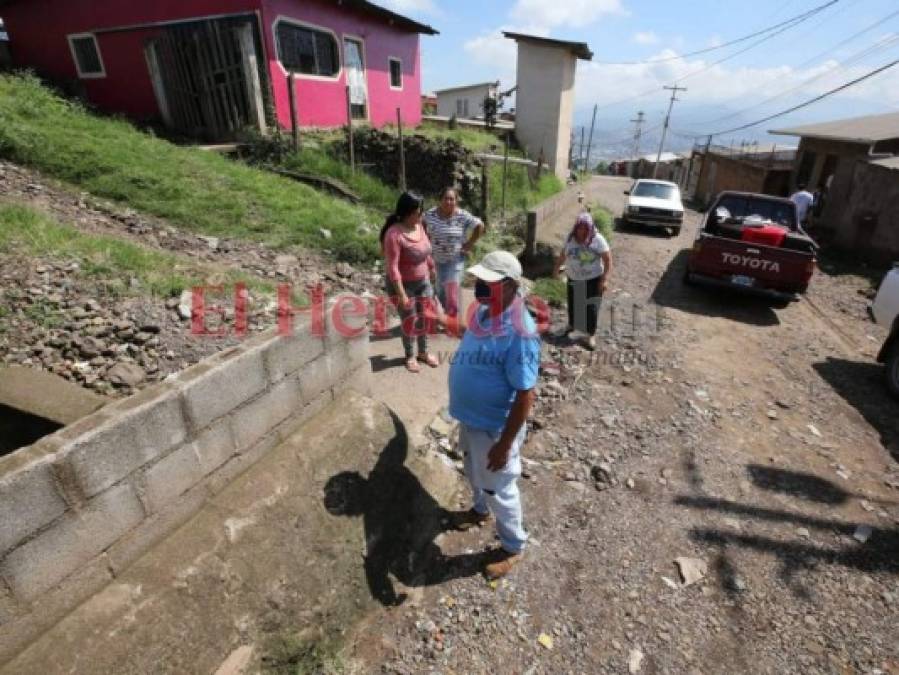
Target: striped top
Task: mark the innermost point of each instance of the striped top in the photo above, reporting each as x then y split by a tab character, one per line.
448	234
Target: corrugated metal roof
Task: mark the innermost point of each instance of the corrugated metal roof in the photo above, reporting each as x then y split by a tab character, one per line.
868	129
467	86
579	49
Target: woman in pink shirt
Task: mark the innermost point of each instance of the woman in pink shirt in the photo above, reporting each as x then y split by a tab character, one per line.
410	267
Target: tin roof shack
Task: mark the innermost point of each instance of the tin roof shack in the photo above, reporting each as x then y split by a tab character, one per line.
764	169
871	216
671	167
545	100
467	101
829	156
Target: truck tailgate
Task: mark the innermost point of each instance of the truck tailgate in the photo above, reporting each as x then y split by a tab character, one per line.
751	265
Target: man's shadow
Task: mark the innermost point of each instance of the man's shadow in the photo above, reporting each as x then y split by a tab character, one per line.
401	521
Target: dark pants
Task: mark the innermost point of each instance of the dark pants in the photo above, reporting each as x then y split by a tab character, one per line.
584	301
414	327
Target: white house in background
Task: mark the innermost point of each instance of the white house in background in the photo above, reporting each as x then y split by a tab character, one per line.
545	100
465	102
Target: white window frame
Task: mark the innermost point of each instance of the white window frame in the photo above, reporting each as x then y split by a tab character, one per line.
390	61
311	26
86	76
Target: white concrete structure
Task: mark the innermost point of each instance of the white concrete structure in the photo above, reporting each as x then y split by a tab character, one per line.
466	102
545	100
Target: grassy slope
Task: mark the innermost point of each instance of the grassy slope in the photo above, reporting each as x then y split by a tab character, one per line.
199	191
26	231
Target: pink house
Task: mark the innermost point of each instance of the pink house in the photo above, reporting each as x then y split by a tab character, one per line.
209	68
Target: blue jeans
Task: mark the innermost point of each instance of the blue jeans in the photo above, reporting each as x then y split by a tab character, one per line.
495	491
449	285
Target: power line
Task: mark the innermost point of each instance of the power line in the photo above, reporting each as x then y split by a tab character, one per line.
868	51
799	18
811	101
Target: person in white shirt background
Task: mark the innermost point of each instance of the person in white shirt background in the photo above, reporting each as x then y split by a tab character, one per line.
803	199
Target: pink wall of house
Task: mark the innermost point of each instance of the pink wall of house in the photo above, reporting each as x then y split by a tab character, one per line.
38	30
321	102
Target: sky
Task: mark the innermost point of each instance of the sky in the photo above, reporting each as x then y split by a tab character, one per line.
841	42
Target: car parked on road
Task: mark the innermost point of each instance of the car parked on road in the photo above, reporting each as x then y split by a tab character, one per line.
654	203
753	242
886	313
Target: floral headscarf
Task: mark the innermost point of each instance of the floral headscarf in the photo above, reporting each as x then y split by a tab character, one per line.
584	219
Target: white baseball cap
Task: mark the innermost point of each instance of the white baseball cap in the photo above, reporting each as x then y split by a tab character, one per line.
497	266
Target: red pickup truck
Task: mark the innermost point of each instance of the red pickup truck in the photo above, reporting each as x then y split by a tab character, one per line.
753	242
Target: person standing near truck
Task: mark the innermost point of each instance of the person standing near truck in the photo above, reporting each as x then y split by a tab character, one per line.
803	199
453	232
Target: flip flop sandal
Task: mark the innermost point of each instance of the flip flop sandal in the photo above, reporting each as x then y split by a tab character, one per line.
429	360
412	365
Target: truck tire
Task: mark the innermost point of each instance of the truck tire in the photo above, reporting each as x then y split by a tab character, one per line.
675	231
892	371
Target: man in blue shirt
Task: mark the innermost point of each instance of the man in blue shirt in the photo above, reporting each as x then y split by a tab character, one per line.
492	383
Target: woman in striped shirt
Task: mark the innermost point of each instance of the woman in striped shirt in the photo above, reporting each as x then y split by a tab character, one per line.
453	232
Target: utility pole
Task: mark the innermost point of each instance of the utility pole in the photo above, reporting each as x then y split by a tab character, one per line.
638	132
674	98
580	155
590	142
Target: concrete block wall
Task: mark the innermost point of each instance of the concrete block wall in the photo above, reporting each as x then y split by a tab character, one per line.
79	506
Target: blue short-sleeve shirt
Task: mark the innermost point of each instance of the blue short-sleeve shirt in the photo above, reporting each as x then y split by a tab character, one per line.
497	358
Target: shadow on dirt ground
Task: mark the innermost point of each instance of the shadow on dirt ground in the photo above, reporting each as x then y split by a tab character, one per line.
401	521
861	384
877	554
672	292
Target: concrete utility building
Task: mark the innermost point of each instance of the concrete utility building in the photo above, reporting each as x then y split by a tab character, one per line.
467	101
852	163
545	100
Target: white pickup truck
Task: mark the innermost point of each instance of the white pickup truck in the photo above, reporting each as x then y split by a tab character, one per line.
886	313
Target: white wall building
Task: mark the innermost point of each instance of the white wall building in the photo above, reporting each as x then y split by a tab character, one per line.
466	102
545	99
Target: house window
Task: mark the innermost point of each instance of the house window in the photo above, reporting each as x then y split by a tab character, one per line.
307	51
461	107
396	73
86	54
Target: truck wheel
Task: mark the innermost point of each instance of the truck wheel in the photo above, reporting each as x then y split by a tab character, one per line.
675	231
893	370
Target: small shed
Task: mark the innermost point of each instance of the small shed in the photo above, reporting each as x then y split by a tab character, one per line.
756	168
545	100
466	101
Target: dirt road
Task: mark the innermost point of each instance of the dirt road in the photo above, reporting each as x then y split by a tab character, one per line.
754	439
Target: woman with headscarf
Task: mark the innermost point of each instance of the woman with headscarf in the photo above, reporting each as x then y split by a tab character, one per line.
588	262
409	266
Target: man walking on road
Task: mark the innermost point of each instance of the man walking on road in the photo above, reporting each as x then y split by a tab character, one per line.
492	383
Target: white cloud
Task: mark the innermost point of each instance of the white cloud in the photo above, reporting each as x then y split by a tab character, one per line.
739	87
646	38
575	13
499	53
409	6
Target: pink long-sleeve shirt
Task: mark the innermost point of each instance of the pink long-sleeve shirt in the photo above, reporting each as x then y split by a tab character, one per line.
408	260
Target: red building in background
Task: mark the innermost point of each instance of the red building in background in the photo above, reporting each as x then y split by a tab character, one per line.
209	68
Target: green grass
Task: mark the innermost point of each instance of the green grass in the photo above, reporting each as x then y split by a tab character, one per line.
474	140
199	191
519	193
24	230
552	290
604	220
375	194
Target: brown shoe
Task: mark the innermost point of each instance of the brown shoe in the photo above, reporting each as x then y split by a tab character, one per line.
502	564
466	520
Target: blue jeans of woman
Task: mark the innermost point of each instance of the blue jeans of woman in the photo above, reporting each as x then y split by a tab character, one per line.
449	285
414	327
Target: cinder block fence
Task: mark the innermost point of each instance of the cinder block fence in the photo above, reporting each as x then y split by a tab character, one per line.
79	506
